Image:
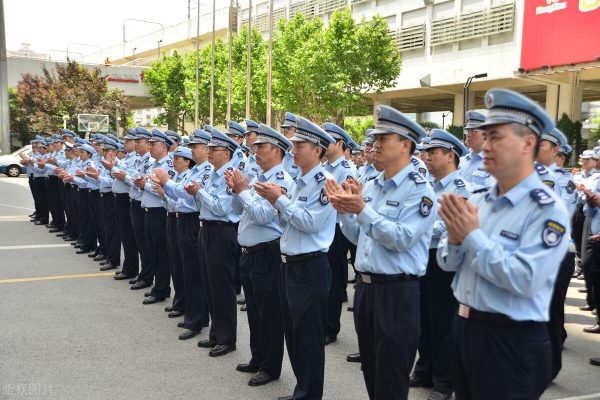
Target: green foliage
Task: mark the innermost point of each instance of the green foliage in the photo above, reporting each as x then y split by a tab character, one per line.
429	125
456	130
38	103
595	132
572	131
319	72
356	127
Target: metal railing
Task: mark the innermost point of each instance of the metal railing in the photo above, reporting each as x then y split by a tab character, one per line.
409	38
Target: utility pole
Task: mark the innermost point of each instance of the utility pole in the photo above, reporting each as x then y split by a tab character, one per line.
270	65
212	70
4	111
229	44
197	60
249	59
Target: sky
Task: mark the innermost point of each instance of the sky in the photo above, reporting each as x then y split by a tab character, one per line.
58	24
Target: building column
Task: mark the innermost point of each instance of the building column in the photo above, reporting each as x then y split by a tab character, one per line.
570	98
380	101
458	113
552	92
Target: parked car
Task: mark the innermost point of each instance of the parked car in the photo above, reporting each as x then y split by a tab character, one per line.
9	164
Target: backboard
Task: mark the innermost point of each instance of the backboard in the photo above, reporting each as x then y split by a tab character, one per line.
92	123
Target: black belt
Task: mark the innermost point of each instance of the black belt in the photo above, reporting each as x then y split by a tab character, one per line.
366	277
210	223
172	214
470	313
121	194
52	176
300	257
154	209
136	203
102	194
93	190
187	214
258	247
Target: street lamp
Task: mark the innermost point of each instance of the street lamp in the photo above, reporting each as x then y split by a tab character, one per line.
118	119
159	42
133	53
139	20
444	115
65	119
466	92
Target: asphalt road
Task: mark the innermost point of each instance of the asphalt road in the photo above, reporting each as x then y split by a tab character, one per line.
90	337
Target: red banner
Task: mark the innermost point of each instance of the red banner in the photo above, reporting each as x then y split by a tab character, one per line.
560	32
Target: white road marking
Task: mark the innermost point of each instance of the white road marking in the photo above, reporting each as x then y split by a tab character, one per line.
22	208
34	246
584	397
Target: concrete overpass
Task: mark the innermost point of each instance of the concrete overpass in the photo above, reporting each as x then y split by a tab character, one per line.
130	79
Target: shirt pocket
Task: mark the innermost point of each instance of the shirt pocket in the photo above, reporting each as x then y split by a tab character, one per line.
390	212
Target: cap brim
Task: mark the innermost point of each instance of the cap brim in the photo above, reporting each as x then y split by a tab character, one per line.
495	121
472	125
379	131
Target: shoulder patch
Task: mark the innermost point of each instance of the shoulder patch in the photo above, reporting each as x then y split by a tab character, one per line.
552	233
459	183
541	197
171	173
468	157
205	179
323	198
345	164
414	160
229	190
170	163
549	183
423	171
320	177
241	166
416	177
279	175
571	187
425	207
240	154
540	169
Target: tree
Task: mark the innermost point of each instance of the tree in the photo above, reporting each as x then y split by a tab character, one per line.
40	102
429	125
572	131
456	130
356	127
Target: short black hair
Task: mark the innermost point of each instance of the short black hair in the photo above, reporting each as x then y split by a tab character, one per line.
455	157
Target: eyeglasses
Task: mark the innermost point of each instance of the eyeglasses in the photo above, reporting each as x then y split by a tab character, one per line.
214	149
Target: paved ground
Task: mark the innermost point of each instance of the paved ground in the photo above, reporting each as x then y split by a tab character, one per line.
91	338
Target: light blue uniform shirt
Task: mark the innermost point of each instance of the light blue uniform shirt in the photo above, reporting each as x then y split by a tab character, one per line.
127	165
252	170
141	165
60	162
169	201
150	198
215	198
105	179
392	233
37	171
509	264
72	167
568	190
341	170
259	222
84	183
366	172
175	188
288	164
472	170
239	159
451	183
92	183
308	218
420	167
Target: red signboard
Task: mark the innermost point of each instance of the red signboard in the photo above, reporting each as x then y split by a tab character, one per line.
560	32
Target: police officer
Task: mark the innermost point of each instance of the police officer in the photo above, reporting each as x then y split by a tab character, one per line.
471	166
120	189
112	238
97	139
391	221
580	179
341	170
236	133
258	234
251	170
368	170
309	227
182	162
503	246
288	129
40	175
196	314
155	220
438	305
142	163
219	244
176	139
85	187
53	186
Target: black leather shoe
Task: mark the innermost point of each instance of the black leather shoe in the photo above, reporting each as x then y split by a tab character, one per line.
244	307
586	308
100	257
174	314
181	324
353	357
54	230
121	277
62	234
248	367
38	222
207	343
108	267
286	398
141	284
94	254
260	378
221	350
152	300
329	340
595	361
350	308
75	243
168	308
69	239
582	290
104	262
415	380
50	225
592	329
353	280
133	281
82	251
188	334
146	294
241	301
435	395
